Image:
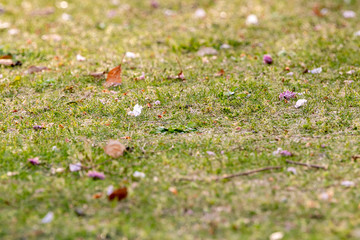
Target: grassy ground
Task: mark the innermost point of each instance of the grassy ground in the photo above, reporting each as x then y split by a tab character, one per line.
237	116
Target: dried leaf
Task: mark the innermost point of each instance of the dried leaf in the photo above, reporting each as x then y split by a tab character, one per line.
173	190
7	56
317	11
118	194
220	73
97	195
114	77
114	149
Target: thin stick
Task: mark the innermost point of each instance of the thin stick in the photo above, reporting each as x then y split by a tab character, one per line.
246	173
177	59
218	178
307	165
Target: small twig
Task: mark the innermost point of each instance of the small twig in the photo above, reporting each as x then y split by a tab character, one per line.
218	178
177	59
307	165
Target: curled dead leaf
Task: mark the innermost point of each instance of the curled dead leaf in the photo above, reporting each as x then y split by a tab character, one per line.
114	77
35	69
114	148
118	194
97	74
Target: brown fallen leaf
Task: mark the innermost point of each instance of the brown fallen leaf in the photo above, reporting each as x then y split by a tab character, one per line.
114	149
7	56
118	194
220	73
97	195
173	190
355	157
34	69
9	63
114	77
317	11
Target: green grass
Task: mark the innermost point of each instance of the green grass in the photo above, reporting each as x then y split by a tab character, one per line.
242	128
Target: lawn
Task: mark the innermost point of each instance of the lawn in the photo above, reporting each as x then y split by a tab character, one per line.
211	111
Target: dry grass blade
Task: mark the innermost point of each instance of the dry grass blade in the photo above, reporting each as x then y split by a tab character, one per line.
218	178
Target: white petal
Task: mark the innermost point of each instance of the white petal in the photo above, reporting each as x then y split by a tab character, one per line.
347	183
252	20
48	217
300	103
139	174
316	70
200	13
75	167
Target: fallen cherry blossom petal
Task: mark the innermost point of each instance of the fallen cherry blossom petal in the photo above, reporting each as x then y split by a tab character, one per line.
13	31
287	95
225	46
154	4
349	14
137	174
300	102
200	13
252	20
48	218
52	37
276	236
80	58
267	59
96	175
130	55
34	161
277	152
66	17
157	102
136	111
110	190
4	25
316	70
142	77
210	153
75	167
291	170
286	153
207	51
347	183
